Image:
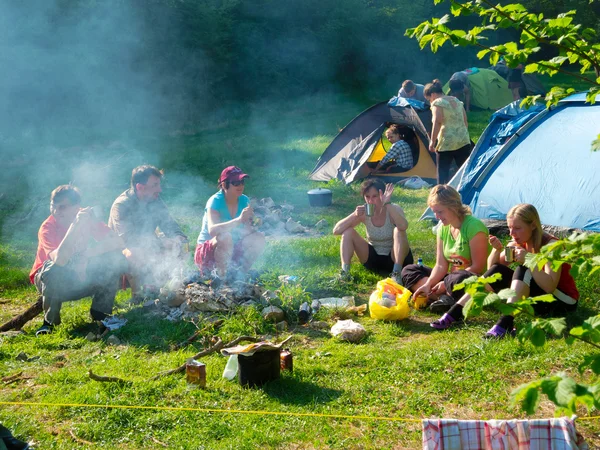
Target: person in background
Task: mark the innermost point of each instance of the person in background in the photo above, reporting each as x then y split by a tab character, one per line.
77	256
527	236
461	251
228	245
155	245
460	87
412	90
450	133
400	151
386	248
515	81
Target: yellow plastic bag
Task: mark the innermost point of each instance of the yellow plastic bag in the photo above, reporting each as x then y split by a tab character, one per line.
398	312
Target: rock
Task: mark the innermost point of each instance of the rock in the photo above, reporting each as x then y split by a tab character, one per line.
281	326
249	303
287	207
178	299
91	337
273	314
22	357
293	226
321	224
272	218
113	340
269	295
267	202
149	304
319	325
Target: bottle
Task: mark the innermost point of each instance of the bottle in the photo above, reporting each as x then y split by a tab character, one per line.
420	262
286	360
315	306
304	312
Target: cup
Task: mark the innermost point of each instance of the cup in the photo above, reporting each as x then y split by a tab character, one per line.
509	254
370	209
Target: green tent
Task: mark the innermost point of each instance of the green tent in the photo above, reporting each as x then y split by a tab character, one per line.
488	89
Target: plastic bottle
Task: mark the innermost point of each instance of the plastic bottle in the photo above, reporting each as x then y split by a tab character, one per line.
420	262
315	306
304	312
231	368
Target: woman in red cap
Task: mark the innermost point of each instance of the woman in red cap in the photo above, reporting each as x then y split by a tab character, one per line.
227	242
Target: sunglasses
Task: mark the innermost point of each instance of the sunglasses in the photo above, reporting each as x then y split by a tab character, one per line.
237	183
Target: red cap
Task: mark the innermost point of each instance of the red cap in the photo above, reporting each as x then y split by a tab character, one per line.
232	173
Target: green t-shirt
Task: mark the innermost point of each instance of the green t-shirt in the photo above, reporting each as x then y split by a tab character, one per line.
458	251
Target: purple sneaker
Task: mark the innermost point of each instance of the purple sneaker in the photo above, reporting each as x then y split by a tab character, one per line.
497	332
444	322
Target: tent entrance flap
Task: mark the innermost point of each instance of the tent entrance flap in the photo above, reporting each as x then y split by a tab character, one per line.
378	152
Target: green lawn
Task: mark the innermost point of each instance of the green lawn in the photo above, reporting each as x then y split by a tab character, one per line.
401	370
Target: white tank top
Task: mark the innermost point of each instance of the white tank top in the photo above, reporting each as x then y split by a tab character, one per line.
381	238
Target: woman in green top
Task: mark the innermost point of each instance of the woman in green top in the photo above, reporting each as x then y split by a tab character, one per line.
462	249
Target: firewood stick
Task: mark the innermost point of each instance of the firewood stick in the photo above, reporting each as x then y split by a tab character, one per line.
198	333
17	322
104	379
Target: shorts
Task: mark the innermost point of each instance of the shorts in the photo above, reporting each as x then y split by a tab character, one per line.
560	307
204	256
384	263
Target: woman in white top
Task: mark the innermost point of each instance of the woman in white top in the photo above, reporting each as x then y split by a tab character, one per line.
386	248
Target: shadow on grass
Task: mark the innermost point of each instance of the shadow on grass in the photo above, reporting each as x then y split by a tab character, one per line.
291	391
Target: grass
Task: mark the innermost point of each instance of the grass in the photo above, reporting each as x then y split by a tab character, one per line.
400	370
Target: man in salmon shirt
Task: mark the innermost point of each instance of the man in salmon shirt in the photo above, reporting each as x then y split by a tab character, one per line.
77	256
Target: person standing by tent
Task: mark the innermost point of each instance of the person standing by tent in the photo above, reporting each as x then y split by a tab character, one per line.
461	251
227	241
450	134
527	237
460	87
412	90
515	82
386	248
400	152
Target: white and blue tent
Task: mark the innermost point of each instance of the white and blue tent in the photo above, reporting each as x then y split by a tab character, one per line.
539	156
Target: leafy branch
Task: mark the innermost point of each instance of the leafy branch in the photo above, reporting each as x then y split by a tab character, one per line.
575	45
582	252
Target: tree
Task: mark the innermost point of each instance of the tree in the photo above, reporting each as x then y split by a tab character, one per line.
577	47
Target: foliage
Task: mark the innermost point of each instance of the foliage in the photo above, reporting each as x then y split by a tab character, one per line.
576	46
582	251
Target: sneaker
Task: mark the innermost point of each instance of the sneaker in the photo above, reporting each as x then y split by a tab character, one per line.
442	305
343	277
46	328
396	277
444	322
497	332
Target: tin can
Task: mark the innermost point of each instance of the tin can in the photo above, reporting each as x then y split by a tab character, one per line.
369	209
509	254
195	372
286	360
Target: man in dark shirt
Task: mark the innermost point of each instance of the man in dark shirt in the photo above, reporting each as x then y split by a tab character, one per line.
155	245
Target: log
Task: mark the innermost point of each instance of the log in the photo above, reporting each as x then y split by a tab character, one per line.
104	379
17	322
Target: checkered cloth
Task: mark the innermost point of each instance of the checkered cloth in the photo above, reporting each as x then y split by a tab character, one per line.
401	153
538	434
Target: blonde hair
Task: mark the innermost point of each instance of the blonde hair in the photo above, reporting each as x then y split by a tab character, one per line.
446	195
529	215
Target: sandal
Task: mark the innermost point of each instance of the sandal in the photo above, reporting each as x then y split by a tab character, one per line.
497	332
443	323
442	305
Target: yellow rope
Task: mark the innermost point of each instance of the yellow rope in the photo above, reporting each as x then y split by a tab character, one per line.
233	411
210	410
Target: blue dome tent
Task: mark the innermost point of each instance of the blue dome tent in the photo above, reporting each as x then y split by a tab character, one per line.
539	156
